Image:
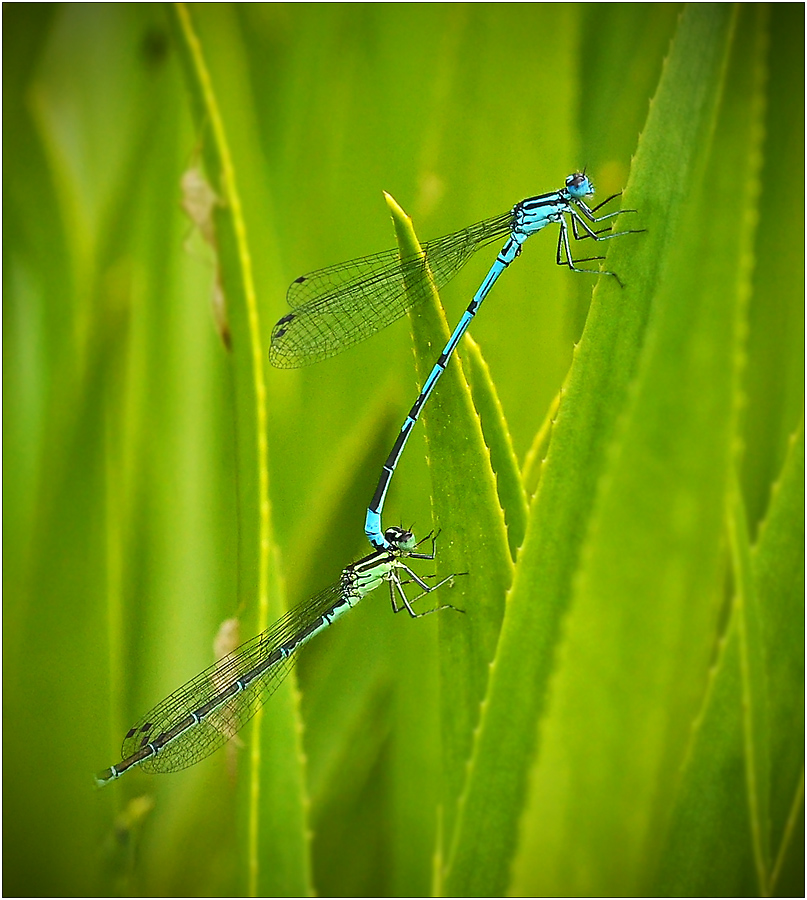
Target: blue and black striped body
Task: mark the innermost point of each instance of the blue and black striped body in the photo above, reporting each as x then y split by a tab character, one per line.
528	217
336	307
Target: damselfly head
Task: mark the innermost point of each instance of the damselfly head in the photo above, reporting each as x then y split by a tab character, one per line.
578	185
400	538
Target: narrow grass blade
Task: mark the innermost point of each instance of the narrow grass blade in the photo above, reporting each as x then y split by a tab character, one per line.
474	538
509	485
279	825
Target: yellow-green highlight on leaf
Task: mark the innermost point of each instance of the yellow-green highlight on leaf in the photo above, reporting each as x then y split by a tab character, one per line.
774	374
778	568
277	803
756	739
716	843
512	496
788	868
534	460
473	536
707	848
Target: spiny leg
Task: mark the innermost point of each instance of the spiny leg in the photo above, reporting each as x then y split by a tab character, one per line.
424	587
430	536
604	202
589	232
395	584
589	213
577	219
563	246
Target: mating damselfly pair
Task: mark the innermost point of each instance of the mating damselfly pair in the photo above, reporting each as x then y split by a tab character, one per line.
334	308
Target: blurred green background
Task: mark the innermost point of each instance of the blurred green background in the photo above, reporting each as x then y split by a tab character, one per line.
126	544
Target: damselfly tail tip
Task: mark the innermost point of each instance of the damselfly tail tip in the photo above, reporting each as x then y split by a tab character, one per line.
103	778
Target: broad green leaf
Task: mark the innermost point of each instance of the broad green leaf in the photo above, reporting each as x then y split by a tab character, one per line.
670	158
641	632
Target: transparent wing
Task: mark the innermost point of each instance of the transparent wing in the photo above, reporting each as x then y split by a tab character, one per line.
205	737
341	305
258	661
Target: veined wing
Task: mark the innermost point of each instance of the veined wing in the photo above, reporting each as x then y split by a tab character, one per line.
197	718
341	305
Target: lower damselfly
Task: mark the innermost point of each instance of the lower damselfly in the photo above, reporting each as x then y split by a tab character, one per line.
205	713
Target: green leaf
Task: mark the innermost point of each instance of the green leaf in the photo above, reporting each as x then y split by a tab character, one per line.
708	846
671	158
510	488
539	447
474	537
716	841
753	701
778	569
642	627
773	380
277	827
